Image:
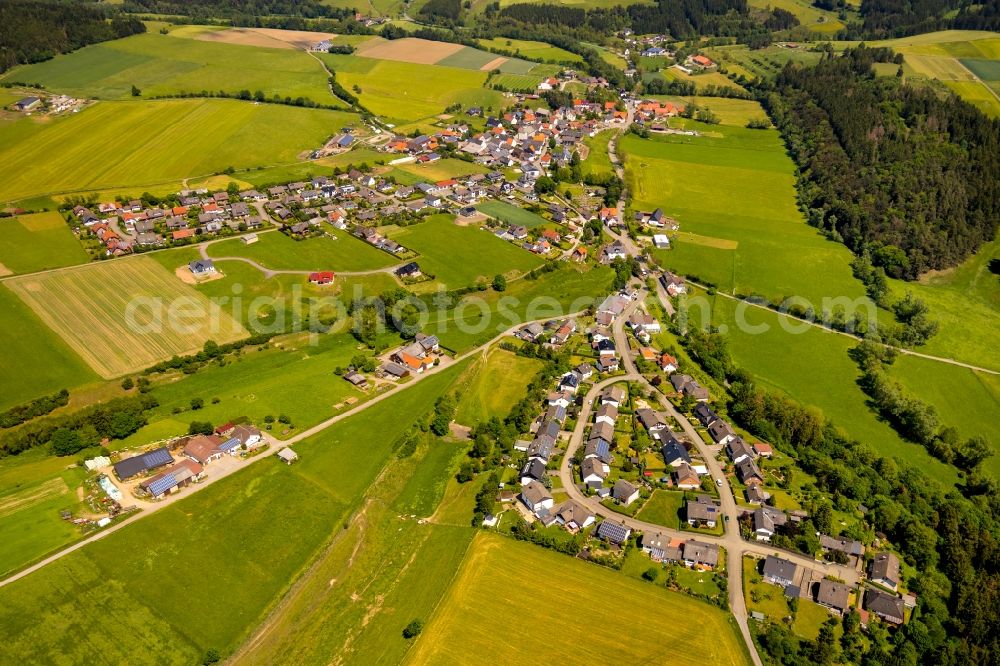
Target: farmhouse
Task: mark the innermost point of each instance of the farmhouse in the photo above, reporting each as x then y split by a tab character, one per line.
409	271
142	463
204	448
172	479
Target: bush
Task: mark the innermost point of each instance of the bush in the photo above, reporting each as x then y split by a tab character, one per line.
413	629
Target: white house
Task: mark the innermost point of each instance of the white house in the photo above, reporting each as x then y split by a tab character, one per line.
536	497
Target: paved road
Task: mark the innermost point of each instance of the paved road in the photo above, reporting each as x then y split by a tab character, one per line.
735	546
216	471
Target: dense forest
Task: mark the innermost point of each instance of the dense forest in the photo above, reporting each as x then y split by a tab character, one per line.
898	18
31	31
888	168
230	8
949	535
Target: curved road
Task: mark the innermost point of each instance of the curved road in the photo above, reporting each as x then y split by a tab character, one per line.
735	546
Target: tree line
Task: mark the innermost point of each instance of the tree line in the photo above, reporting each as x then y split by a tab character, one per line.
39	407
36	30
888	168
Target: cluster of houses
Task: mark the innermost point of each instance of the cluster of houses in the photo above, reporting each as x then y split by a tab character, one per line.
880	598
691	553
413	358
555	332
163	474
122	226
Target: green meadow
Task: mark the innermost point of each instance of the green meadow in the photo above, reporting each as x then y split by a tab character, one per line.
965	301
167	64
493	384
133	144
38	242
130	579
278	251
404	92
458	256
733	192
35	361
598	162
812	366
530	49
511	214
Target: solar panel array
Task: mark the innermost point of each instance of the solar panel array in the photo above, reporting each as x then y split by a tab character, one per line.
612	531
162	485
156	458
229	444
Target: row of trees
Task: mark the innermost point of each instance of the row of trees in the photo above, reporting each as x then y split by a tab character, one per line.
115	419
39	407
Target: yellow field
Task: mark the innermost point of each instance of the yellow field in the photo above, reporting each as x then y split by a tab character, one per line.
943	68
125	315
707	241
514	602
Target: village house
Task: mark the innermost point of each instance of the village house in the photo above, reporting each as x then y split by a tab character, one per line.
204	449
885	571
848	547
765	522
700	555
537	498
886	606
686	385
833	595
685	478
702	512
593	472
722	433
704	414
600	448
612	532
533	470
651	421
779	571
200	267
674	453
624	492
573	516
674	284
660	547
748	472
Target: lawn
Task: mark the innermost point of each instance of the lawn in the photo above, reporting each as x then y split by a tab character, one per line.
458	256
112	145
664	507
38	242
125	315
731	111
35	361
493	384
130	578
465	622
168	64
278	251
404	92
511	214
701	80
737	185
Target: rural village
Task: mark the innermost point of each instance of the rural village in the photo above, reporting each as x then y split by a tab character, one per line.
591	330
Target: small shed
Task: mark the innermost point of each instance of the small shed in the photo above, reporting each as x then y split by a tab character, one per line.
288	455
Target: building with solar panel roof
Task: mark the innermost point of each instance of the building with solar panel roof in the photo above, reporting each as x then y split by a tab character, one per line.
142	463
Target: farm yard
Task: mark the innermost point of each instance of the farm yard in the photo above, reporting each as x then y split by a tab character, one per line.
736	185
35	361
170	64
38	242
90	307
108	146
464	623
458	256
